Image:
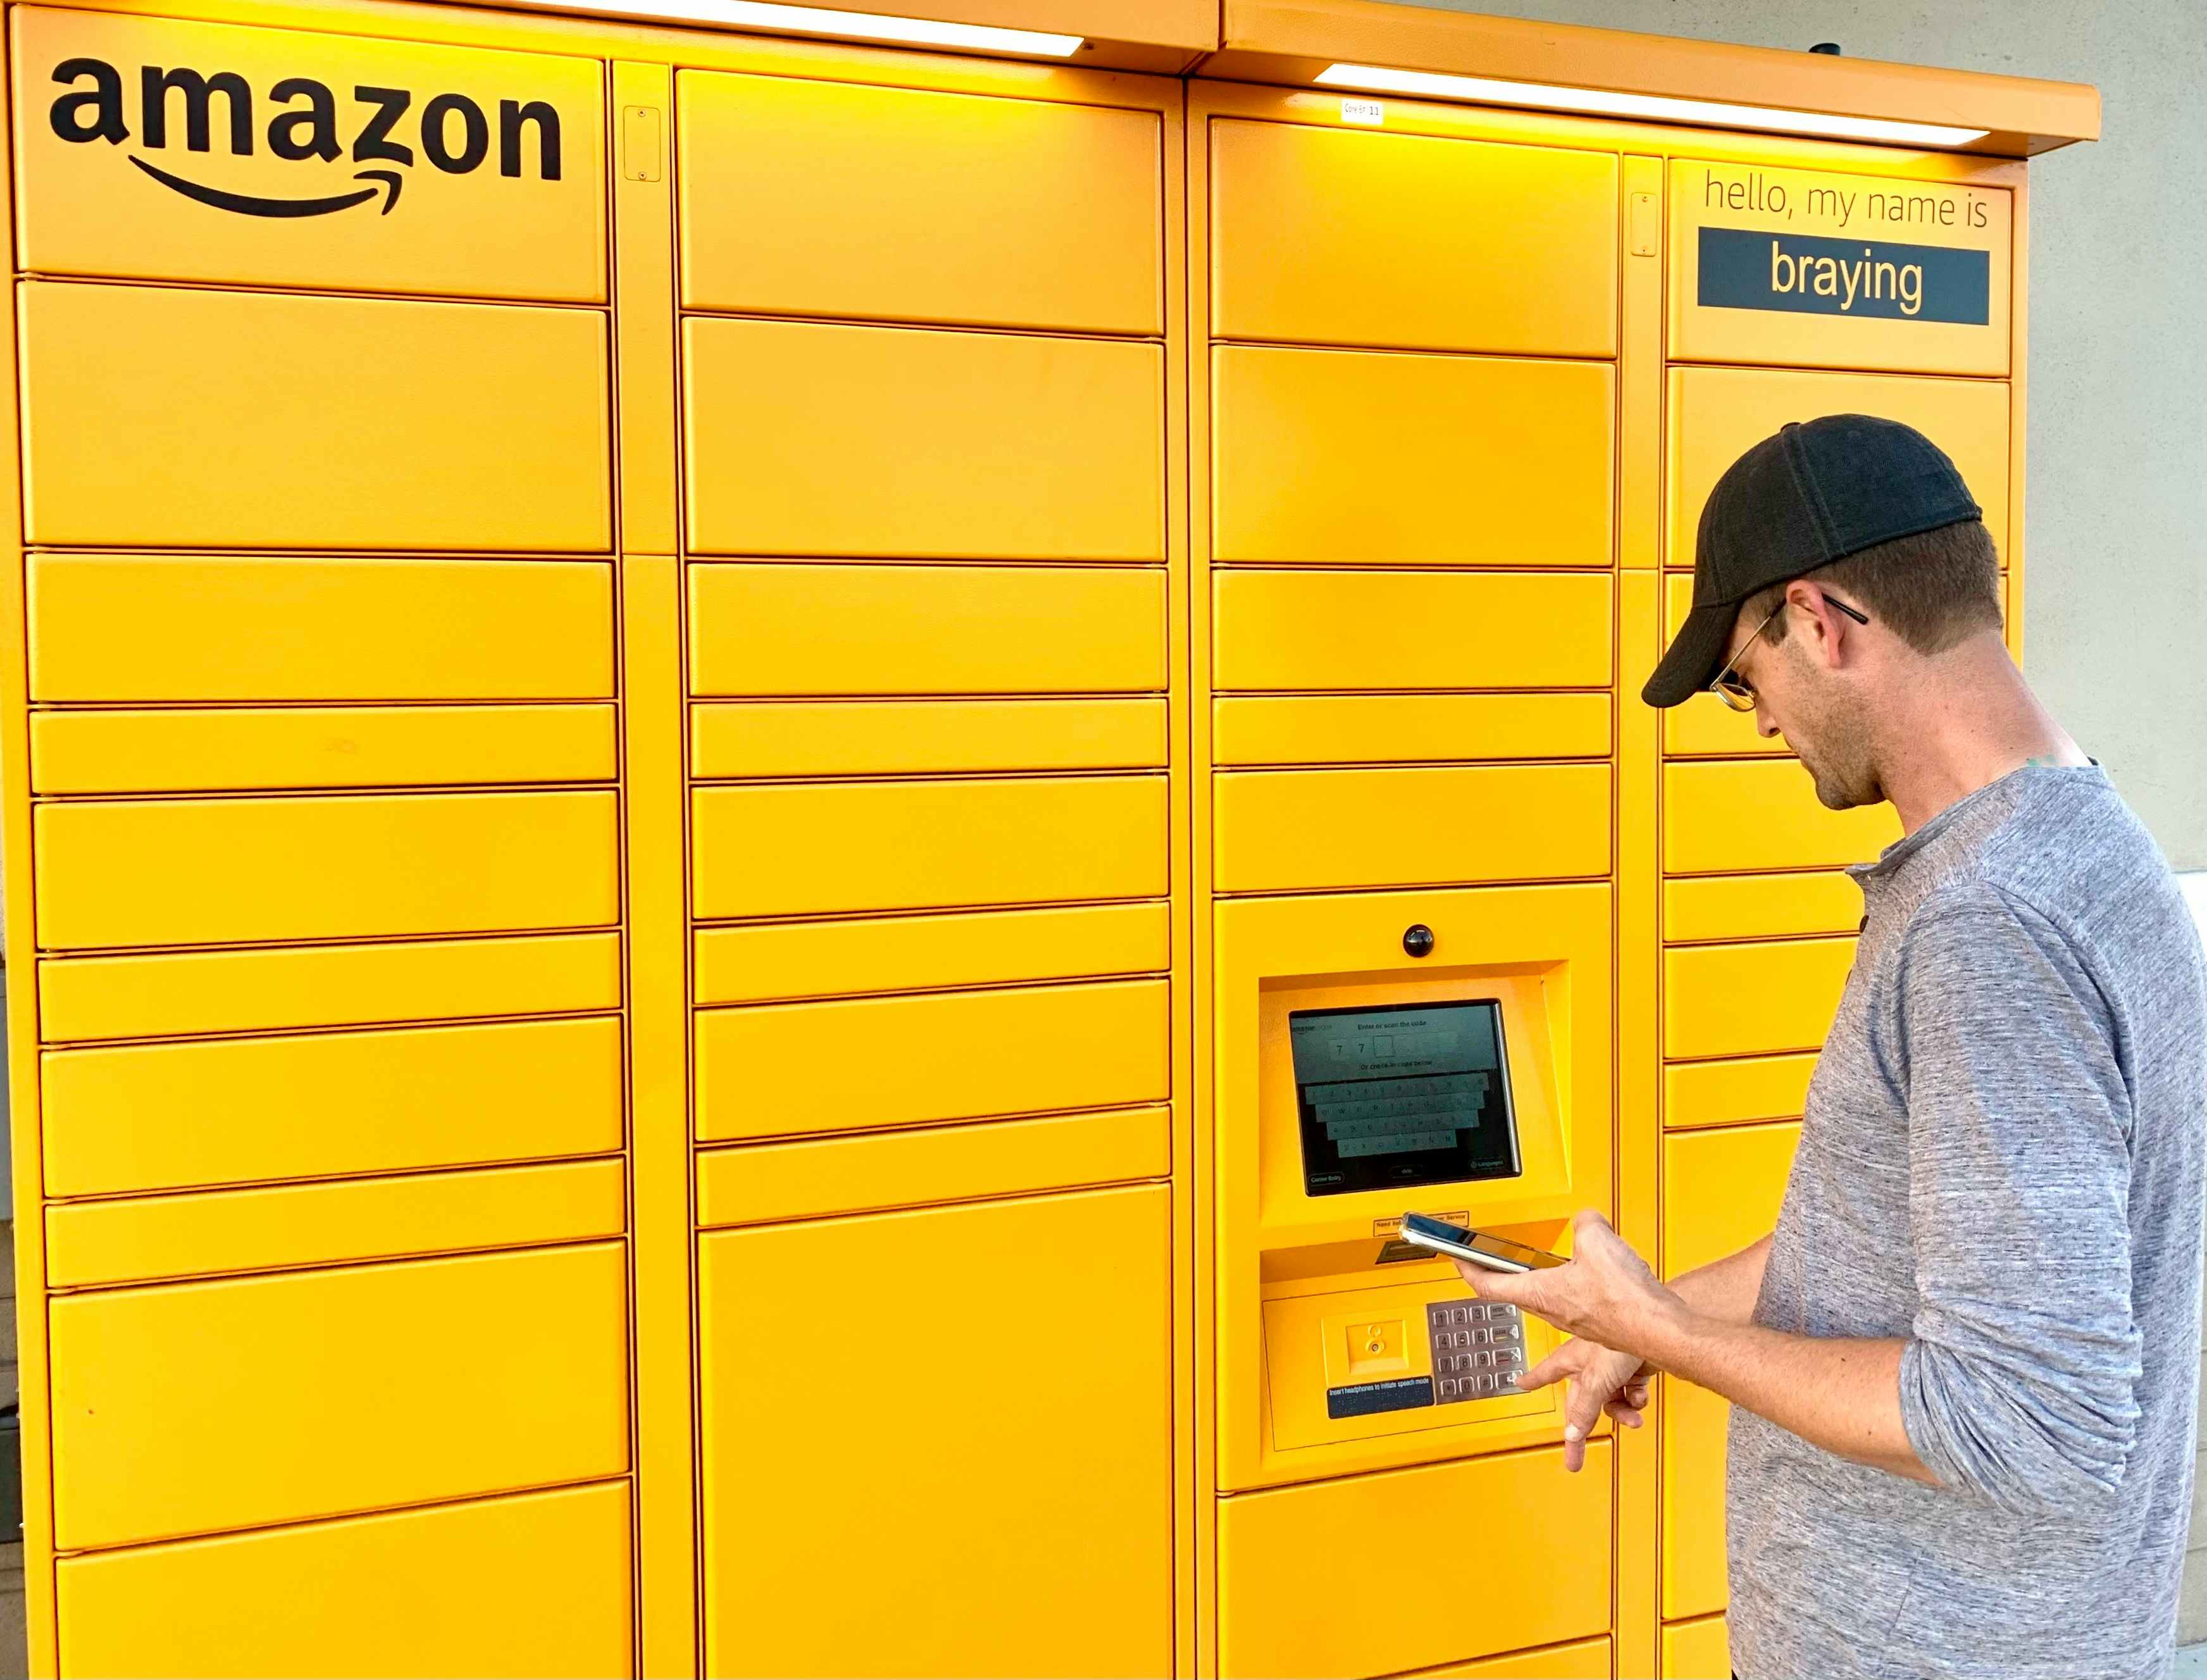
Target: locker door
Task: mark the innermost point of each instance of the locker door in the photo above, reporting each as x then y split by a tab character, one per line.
939	1441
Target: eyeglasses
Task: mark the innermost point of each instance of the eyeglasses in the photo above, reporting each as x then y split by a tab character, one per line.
1739	695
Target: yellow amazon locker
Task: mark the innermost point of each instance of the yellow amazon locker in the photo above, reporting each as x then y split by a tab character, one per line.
766	795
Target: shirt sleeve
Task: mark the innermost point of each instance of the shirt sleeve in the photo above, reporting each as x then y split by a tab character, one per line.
2019	1386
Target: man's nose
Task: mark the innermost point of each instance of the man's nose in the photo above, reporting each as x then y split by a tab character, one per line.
1765	725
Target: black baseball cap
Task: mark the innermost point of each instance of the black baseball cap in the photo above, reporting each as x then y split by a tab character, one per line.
1817	491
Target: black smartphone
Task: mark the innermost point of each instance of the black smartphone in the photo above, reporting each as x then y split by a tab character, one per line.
1480	1248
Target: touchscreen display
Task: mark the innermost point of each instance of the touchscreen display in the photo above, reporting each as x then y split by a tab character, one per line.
1391	1098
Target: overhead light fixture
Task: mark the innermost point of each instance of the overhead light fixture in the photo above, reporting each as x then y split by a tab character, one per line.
761	14
1701	113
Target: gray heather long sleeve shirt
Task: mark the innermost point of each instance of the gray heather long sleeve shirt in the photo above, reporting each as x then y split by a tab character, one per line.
2001	1162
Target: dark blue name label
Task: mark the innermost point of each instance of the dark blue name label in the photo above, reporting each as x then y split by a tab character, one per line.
1743	269
1397	1393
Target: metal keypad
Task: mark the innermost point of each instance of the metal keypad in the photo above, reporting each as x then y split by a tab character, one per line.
1478	1349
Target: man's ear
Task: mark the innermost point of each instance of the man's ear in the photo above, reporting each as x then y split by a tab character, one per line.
1826	629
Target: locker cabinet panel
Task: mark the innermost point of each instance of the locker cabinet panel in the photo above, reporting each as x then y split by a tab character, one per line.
862	1175
1697	1650
1409	629
291	1601
1344	457
1751	999
1581	1660
170	993
925	737
410	746
225	1111
787	851
1806	269
505	199
907	1059
1724	1093
985	1551
1717	414
193	1407
116	627
1736	817
316	1224
1282	830
203	871
1390	1609
1330	235
825	198
794	959
816	629
1721	1191
1760	906
355	423
1407	728
805	438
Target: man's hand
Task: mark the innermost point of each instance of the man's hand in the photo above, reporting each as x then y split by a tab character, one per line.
1601	1380
1609	1301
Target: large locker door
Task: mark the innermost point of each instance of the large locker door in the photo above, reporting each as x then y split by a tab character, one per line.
939	1441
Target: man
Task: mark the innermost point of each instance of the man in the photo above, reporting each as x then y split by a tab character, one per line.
1964	1367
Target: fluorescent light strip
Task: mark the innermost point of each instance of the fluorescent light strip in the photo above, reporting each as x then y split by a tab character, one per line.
1701	113
858	25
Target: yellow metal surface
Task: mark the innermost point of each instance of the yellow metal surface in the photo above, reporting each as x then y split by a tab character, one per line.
1280	830
495	190
369	1357
1330	235
1391	1607
1724	1093
1760	906
759	1071
788	629
170	993
518	1587
1343	456
811	438
464	426
811	199
920	1481
1038	441
934	737
1750	998
763	850
828	1176
773	961
1726	818
1344	630
121	627
319	1224
1718	413
1721	1191
1581	1660
211	871
1407	728
1697	1650
227	1111
191	752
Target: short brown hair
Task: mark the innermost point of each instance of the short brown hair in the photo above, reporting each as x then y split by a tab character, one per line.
1931	589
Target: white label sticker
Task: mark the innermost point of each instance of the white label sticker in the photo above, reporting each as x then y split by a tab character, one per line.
1365	113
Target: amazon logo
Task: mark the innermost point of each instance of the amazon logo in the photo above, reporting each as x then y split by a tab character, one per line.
381	128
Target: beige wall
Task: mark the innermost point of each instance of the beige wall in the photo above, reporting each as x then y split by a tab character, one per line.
2115	607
